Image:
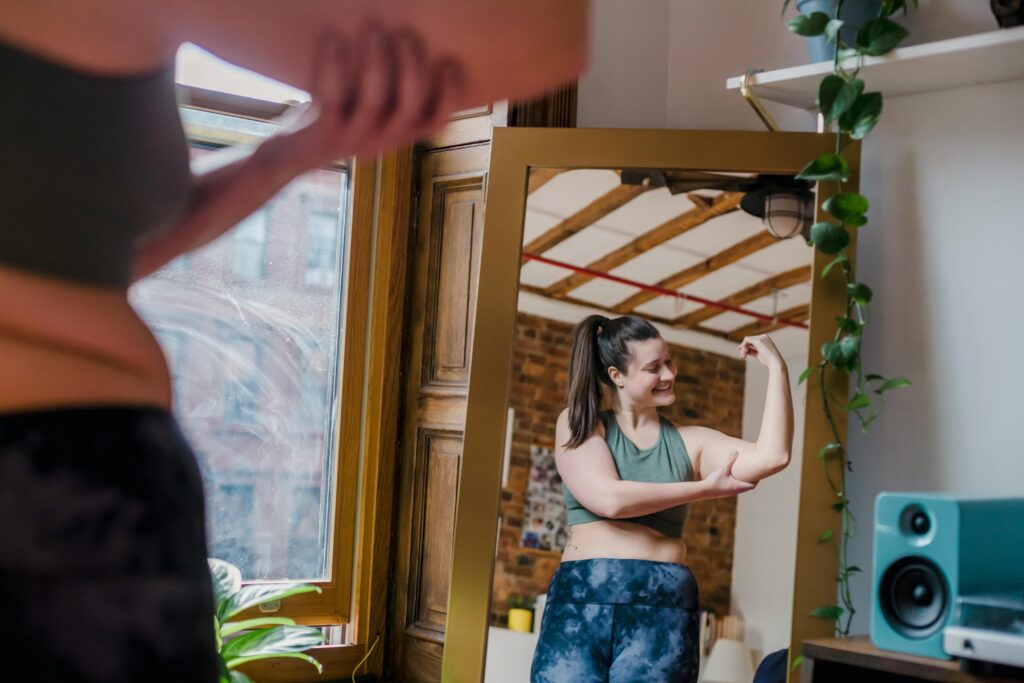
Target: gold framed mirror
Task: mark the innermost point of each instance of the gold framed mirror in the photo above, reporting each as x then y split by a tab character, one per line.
521	160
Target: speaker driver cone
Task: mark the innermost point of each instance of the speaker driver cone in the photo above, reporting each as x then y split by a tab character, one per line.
913	597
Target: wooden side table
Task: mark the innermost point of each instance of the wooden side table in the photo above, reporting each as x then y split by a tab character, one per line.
856	660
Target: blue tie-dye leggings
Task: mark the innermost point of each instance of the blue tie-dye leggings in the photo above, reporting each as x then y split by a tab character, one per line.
615	621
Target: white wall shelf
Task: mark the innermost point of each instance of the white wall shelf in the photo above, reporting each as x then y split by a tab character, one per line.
955	63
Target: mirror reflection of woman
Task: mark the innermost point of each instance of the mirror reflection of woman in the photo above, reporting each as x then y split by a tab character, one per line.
623	605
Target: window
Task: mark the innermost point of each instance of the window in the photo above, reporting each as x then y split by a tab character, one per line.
322	245
249	258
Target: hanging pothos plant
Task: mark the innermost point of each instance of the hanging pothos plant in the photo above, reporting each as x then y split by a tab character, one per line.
843	103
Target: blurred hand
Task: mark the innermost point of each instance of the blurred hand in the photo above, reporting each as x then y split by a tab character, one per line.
383	92
763	349
721	483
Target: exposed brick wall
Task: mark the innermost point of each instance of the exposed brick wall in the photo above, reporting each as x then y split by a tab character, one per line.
709	390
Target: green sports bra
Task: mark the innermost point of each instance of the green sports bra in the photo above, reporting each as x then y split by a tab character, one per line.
664	462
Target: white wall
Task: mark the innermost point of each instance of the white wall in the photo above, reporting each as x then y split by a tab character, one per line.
942	172
764	558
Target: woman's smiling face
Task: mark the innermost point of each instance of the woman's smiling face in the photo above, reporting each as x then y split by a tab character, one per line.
650	377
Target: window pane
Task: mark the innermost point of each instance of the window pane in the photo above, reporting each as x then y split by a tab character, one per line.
253	350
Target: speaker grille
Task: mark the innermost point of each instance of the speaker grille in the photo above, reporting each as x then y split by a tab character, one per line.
914	597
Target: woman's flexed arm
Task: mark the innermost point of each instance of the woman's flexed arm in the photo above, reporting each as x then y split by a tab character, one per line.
589	473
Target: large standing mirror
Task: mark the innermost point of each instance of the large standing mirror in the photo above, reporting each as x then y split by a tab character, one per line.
699	232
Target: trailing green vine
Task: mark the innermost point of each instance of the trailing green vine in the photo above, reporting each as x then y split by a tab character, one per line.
843	102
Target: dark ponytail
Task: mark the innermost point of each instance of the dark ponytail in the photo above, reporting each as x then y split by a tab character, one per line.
598	343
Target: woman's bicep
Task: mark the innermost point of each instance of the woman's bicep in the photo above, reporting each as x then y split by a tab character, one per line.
587	470
713	449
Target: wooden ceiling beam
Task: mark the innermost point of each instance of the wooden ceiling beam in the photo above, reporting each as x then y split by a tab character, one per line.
699	215
539	291
540	177
751	293
615	198
684	277
796	314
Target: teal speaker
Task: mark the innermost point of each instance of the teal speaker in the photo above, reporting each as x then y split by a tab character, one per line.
930	549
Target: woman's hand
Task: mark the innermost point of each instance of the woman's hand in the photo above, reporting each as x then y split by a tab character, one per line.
721	484
763	349
378	94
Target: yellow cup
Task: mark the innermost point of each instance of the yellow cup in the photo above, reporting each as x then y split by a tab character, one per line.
520	620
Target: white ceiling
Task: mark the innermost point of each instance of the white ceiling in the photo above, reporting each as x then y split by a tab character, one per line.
570	191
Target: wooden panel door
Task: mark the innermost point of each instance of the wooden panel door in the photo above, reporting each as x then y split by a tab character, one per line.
439	337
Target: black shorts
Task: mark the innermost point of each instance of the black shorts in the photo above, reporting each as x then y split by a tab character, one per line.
103	573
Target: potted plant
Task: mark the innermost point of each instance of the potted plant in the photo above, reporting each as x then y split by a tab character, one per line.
855	14
520	613
250	640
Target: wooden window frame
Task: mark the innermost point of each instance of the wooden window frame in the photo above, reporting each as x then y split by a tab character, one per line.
367	416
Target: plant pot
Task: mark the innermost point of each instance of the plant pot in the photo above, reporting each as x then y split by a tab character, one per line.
856	13
520	620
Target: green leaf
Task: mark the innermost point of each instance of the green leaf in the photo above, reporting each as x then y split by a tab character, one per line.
848	326
836	261
271	641
836	95
858	401
847	206
785	6
825	537
797	661
832	29
840	506
873	378
257	594
850	345
805	374
227	580
809	25
828	448
859	292
880	36
862	115
829	238
829	612
853	569
857	222
891	7
234	627
895	383
291	655
826	167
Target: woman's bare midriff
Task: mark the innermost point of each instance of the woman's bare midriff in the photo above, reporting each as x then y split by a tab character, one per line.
622	540
64	344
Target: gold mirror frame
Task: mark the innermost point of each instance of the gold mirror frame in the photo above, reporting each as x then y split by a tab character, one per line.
514	152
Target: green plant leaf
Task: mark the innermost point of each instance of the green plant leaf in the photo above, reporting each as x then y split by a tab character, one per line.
805	374
858	401
880	36
848	326
829	612
826	167
233	627
278	640
809	25
825	537
872	378
859	292
850	346
290	655
832	29
259	593
857	222
828	448
847	206
227	580
891	7
862	115
829	238
785	6
895	383
853	569
836	95
797	661
836	261
839	506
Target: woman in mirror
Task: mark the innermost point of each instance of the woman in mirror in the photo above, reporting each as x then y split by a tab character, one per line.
622	605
